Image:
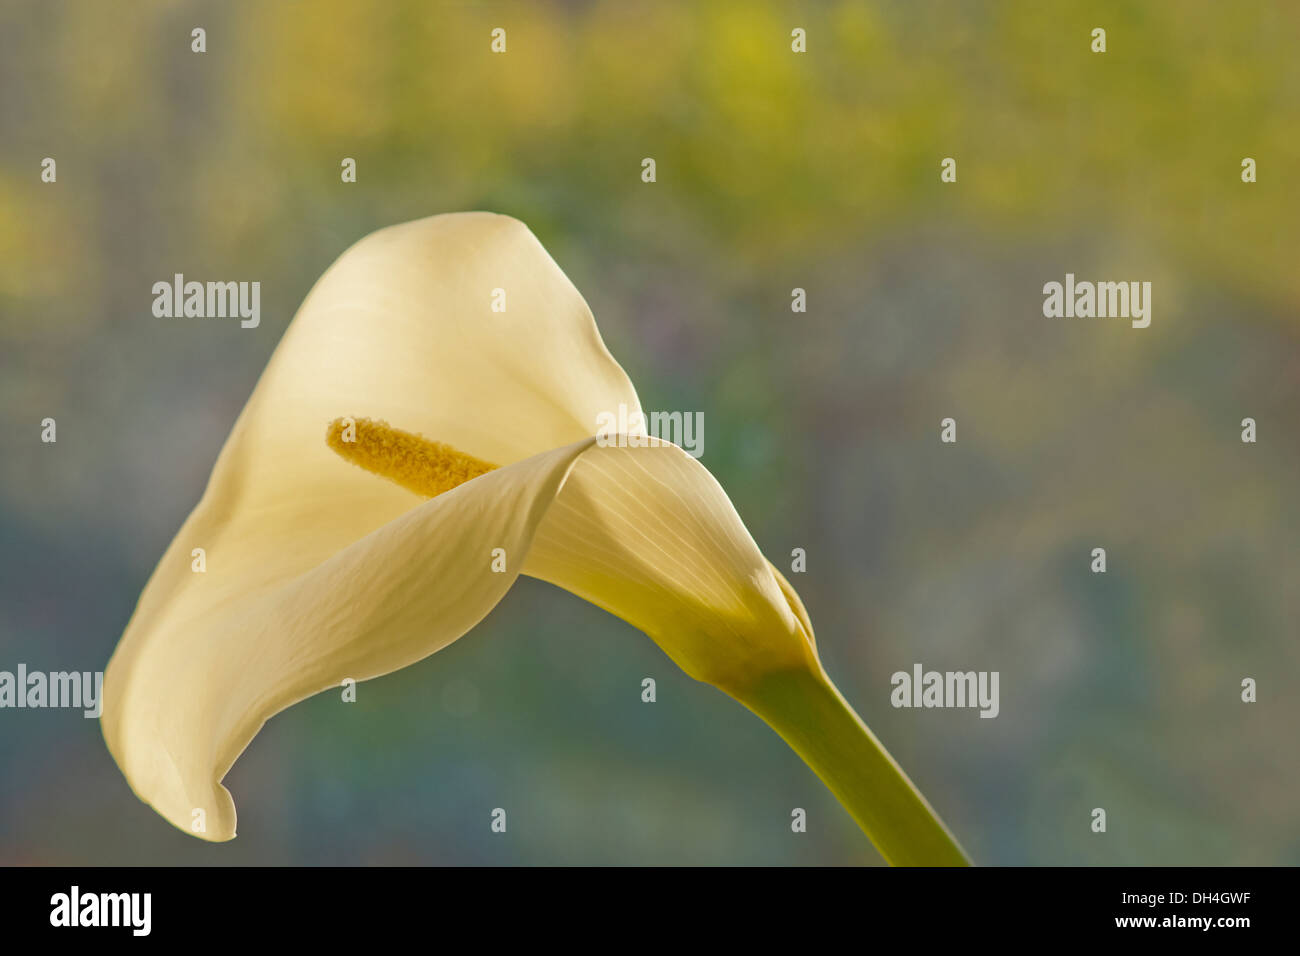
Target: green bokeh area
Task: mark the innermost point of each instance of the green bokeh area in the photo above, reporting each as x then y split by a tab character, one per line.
775	170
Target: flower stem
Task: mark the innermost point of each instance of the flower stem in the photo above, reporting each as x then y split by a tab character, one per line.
809	713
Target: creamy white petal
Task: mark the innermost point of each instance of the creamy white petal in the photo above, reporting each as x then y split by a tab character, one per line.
649	535
401	328
215	655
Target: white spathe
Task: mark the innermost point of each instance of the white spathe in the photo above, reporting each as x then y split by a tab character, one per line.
318	571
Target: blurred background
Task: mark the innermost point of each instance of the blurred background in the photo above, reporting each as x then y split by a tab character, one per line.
775	170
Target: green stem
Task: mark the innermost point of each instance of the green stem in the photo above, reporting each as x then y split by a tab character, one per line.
808	712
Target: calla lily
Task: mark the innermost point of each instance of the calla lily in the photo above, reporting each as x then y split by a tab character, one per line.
473	430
